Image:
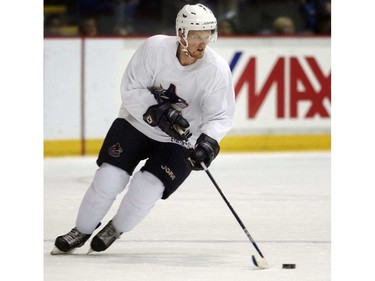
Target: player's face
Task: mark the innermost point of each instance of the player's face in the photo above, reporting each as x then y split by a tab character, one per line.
198	41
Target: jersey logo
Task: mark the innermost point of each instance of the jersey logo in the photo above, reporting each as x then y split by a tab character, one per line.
169	95
115	150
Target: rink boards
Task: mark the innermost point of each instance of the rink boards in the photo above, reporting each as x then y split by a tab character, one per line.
282	85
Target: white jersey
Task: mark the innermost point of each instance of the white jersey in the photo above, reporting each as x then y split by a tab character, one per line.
205	85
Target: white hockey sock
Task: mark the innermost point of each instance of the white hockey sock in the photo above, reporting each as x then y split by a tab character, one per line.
145	190
108	182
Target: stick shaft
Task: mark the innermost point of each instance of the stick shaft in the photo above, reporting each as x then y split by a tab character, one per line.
231	208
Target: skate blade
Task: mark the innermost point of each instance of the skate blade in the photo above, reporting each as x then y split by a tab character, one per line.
56	251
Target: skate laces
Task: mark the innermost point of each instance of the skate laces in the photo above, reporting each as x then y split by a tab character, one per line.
109	232
75	236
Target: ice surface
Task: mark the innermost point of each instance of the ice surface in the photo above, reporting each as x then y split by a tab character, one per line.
284	199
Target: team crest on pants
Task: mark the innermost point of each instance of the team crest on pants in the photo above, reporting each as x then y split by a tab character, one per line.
115	150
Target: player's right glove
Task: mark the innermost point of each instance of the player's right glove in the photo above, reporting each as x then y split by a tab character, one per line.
169	120
205	150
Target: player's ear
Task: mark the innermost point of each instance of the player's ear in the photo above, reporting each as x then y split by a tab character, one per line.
182	39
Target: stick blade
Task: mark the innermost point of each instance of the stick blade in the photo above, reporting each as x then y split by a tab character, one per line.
260	262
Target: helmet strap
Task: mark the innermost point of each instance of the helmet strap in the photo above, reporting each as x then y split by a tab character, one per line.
184	47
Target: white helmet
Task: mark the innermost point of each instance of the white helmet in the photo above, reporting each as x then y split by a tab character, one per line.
196	17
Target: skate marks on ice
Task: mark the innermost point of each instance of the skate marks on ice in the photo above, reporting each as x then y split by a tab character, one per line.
191	261
283	199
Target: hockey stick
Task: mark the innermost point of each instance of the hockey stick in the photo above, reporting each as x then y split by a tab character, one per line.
258	261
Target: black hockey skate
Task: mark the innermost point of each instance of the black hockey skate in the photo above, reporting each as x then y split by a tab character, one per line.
67	243
104	238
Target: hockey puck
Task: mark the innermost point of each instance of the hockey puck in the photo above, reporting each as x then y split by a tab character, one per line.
289	265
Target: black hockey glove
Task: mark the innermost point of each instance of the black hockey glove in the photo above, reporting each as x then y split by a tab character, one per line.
169	120
205	150
169	95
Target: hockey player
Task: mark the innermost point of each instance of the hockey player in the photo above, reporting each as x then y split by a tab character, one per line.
175	92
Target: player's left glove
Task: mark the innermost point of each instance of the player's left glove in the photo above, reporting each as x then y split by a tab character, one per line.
205	150
169	120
